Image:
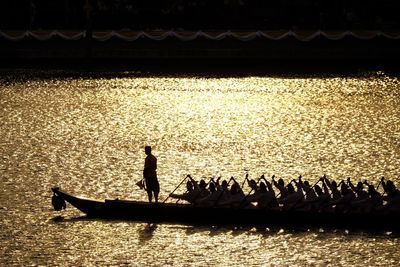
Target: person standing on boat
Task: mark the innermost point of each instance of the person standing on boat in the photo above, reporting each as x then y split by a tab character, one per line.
150	175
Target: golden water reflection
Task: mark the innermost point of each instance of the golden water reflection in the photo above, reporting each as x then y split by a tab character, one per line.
87	135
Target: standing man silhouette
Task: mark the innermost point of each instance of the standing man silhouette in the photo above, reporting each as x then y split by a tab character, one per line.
150	175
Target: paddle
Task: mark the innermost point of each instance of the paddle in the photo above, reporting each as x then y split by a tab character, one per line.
317	182
332	188
184	179
327	186
245	179
380	182
193	184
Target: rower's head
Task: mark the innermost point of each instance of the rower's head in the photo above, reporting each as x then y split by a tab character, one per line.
147	150
306	183
334	184
224	184
290	189
344	188
202	184
211	187
263	187
234	188
360	186
390	186
371	189
281	182
189	186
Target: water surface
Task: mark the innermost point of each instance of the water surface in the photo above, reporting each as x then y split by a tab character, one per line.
86	133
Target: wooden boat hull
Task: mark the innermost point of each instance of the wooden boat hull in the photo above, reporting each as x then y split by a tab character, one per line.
189	214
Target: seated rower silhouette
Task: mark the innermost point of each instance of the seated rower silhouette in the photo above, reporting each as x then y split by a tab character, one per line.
211	198
392	198
189	195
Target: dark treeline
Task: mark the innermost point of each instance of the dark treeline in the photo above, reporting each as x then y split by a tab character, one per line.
200	14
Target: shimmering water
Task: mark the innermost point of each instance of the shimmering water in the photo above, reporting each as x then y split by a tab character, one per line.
87	135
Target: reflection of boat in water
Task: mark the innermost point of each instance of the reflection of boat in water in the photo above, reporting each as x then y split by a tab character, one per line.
189	214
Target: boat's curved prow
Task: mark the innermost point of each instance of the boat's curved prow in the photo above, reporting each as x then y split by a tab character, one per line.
88	206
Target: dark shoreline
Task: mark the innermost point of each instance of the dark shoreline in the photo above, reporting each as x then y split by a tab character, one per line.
212	68
206	57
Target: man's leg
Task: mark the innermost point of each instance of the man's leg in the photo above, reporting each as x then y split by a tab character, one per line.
149	194
156	196
156	190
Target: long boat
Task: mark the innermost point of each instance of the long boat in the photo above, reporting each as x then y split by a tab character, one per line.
190	214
